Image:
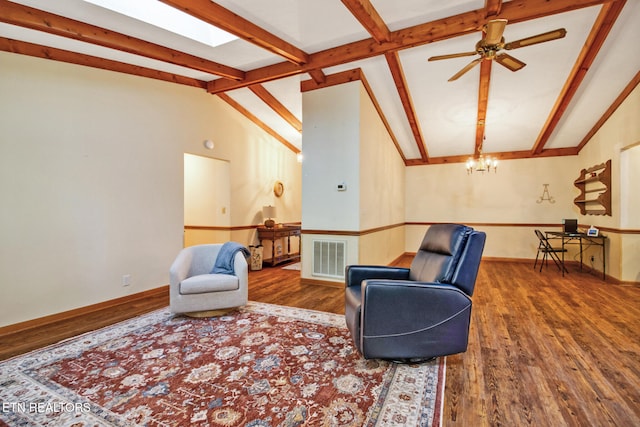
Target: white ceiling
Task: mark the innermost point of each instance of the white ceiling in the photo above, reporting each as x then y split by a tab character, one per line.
519	102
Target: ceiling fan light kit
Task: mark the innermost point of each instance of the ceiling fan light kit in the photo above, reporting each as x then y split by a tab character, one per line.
491	45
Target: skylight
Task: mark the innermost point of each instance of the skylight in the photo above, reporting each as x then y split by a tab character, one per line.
166	17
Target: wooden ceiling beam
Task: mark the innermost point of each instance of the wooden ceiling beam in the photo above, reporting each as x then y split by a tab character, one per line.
368	16
45	52
317	75
441	29
332	80
262	125
492	8
399	79
483	101
230	22
526	10
35	19
599	32
266	96
507	155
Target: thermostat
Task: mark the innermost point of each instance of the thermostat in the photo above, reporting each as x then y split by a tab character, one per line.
342	187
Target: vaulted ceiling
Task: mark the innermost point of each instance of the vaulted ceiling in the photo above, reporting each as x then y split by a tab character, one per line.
550	107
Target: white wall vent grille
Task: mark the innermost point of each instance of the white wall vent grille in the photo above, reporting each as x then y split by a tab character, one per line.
329	258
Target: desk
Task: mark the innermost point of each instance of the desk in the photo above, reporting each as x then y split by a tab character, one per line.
279	232
581	239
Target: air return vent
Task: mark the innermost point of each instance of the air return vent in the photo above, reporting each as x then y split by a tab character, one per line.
329	258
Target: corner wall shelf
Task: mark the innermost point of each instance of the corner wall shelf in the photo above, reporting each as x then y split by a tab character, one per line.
596	183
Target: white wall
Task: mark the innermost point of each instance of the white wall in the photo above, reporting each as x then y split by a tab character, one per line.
331	148
91	180
345	142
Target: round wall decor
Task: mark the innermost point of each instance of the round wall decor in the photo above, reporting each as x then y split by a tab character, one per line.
278	188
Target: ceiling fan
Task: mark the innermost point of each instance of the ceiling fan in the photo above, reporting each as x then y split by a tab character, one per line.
490	46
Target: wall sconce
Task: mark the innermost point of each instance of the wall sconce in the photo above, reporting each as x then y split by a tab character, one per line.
208	144
299	157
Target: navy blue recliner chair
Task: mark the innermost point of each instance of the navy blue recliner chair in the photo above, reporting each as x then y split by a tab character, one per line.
418	313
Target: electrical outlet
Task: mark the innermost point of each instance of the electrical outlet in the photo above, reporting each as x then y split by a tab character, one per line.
126	280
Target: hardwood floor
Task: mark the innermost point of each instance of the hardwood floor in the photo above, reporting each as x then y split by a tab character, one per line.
543	350
33	338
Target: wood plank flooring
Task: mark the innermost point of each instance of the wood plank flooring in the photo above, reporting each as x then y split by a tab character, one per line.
543	350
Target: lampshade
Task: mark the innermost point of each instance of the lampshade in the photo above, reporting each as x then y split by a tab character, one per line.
269	211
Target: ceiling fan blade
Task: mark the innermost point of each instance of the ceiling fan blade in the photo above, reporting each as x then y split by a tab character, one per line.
452	55
540	38
469	66
509	62
494	30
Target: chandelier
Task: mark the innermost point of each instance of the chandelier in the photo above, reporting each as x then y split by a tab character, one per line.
482	163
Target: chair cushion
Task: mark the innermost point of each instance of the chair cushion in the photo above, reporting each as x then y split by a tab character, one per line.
205	283
439	252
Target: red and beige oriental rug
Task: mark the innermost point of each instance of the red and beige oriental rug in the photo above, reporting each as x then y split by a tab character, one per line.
263	365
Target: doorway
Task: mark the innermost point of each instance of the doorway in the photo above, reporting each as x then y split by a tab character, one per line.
207	199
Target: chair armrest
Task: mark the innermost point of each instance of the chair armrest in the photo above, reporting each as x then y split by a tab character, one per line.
180	268
404	320
355	274
402	307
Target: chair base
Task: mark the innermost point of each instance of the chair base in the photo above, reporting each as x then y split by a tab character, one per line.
210	313
413	360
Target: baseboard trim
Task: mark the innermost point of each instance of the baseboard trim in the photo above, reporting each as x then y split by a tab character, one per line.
76	312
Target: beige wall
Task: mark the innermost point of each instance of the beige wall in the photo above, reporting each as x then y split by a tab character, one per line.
503	204
207	200
618	140
382	195
91	177
381	247
381	171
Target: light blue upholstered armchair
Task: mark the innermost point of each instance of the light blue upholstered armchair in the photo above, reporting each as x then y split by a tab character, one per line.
195	290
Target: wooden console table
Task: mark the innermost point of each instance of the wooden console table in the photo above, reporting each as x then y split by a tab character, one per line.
279	232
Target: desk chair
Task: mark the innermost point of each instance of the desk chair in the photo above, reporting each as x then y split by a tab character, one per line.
548	251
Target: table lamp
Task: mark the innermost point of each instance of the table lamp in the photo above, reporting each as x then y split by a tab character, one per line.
269	212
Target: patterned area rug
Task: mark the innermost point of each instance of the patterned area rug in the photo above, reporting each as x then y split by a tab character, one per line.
262	365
